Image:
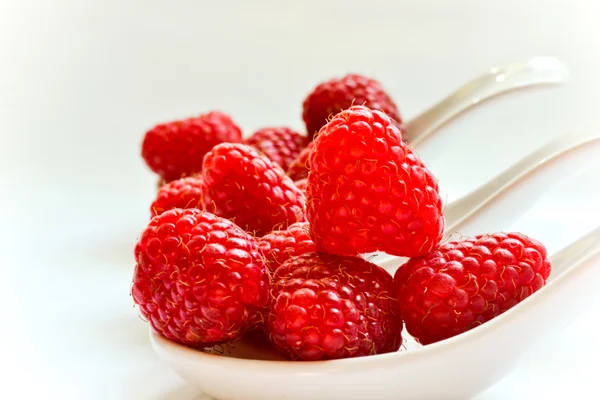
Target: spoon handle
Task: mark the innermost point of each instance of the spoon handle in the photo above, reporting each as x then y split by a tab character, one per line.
579	251
461	209
535	71
457	211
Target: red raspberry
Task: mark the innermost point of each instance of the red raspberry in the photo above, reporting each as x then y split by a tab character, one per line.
368	192
327	307
302	184
161	182
299	167
176	149
281	145
247	187
335	95
463	284
180	193
199	279
279	246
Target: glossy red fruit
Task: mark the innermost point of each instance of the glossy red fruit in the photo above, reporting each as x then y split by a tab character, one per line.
199	279
180	193
299	167
335	95
175	149
463	284
161	182
367	191
329	307
282	145
279	246
242	185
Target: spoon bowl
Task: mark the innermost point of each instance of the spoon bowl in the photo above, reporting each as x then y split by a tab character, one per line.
250	370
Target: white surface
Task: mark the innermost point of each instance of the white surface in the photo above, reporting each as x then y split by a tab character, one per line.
80	81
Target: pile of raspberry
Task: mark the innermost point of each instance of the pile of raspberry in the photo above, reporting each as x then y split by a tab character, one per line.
270	233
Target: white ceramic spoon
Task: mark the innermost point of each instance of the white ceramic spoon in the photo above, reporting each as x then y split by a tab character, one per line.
251	371
461	209
533	72
456	368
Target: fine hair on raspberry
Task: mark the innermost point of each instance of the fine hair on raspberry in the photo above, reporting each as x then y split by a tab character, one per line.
199	280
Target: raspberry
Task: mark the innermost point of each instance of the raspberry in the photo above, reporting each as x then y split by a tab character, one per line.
335	95
328	307
176	149
180	193
279	246
281	145
161	182
463	284
368	192
299	167
199	279
242	185
302	184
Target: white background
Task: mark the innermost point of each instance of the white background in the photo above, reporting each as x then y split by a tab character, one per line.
81	80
